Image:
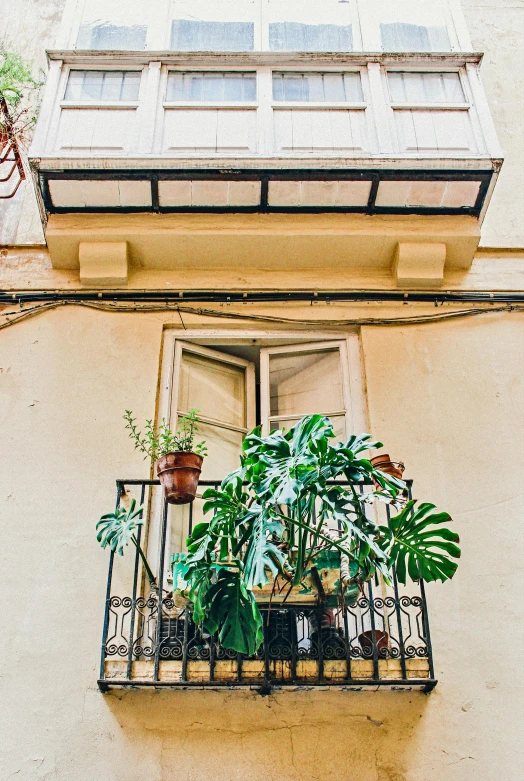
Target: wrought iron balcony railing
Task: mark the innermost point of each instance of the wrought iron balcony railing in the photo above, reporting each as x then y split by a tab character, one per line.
380	641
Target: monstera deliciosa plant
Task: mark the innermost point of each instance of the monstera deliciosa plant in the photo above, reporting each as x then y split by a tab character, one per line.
275	515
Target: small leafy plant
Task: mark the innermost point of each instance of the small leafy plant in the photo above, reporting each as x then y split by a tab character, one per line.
20	90
275	515
116	530
157	443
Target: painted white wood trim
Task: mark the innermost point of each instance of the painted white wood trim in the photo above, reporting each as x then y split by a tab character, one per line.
483	112
43	128
67	23
459	23
381	111
147	114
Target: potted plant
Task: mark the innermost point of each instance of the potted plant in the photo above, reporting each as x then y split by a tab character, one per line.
271	520
387	466
178	459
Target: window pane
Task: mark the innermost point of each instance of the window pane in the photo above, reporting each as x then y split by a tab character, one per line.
214	25
338	421
112	86
412	25
425	88
317	26
414	38
305	382
93	81
211	86
113	24
103	86
130	86
187	35
296	37
74	85
227	401
317	87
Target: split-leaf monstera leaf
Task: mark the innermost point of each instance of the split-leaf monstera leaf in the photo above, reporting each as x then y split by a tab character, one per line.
117	529
274	515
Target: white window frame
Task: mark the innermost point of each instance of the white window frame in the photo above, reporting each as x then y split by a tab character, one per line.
216	338
468	105
109	104
329	346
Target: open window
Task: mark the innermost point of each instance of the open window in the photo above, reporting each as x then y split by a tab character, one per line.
238	383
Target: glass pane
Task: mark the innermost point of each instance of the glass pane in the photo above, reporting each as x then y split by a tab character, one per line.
338	421
225	402
412	26
130	86
112	85
224	448
93	81
103	85
112	24
316	26
425	88
74	85
211	86
317	87
214	25
187	35
305	382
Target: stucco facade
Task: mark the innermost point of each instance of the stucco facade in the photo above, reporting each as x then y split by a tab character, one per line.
446	397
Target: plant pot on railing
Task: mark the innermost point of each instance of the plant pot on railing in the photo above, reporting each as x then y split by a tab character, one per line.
366	642
178	457
179	473
385	464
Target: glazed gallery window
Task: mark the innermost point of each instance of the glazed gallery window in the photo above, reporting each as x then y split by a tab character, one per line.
100	86
113	24
274	25
313	87
213	25
212	86
411	25
315	26
412	87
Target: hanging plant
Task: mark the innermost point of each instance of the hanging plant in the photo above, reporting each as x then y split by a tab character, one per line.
274	517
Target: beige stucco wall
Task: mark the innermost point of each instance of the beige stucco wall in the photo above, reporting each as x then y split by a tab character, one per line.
447	398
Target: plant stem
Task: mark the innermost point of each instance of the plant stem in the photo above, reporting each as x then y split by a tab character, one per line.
152	579
331	542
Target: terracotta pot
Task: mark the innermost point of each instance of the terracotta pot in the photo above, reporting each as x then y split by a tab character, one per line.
366	641
384	463
178	473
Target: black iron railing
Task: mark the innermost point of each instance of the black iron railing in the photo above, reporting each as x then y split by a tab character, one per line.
381	640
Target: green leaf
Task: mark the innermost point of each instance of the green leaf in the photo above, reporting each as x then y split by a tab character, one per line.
234	613
116	530
417	550
262	553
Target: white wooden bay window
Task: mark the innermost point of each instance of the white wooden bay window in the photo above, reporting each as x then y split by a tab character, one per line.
432	113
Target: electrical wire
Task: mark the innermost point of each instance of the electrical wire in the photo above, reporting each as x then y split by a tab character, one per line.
14	317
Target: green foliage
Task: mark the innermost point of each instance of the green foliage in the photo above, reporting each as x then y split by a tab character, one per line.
157	443
418	550
20	89
116	530
274	515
